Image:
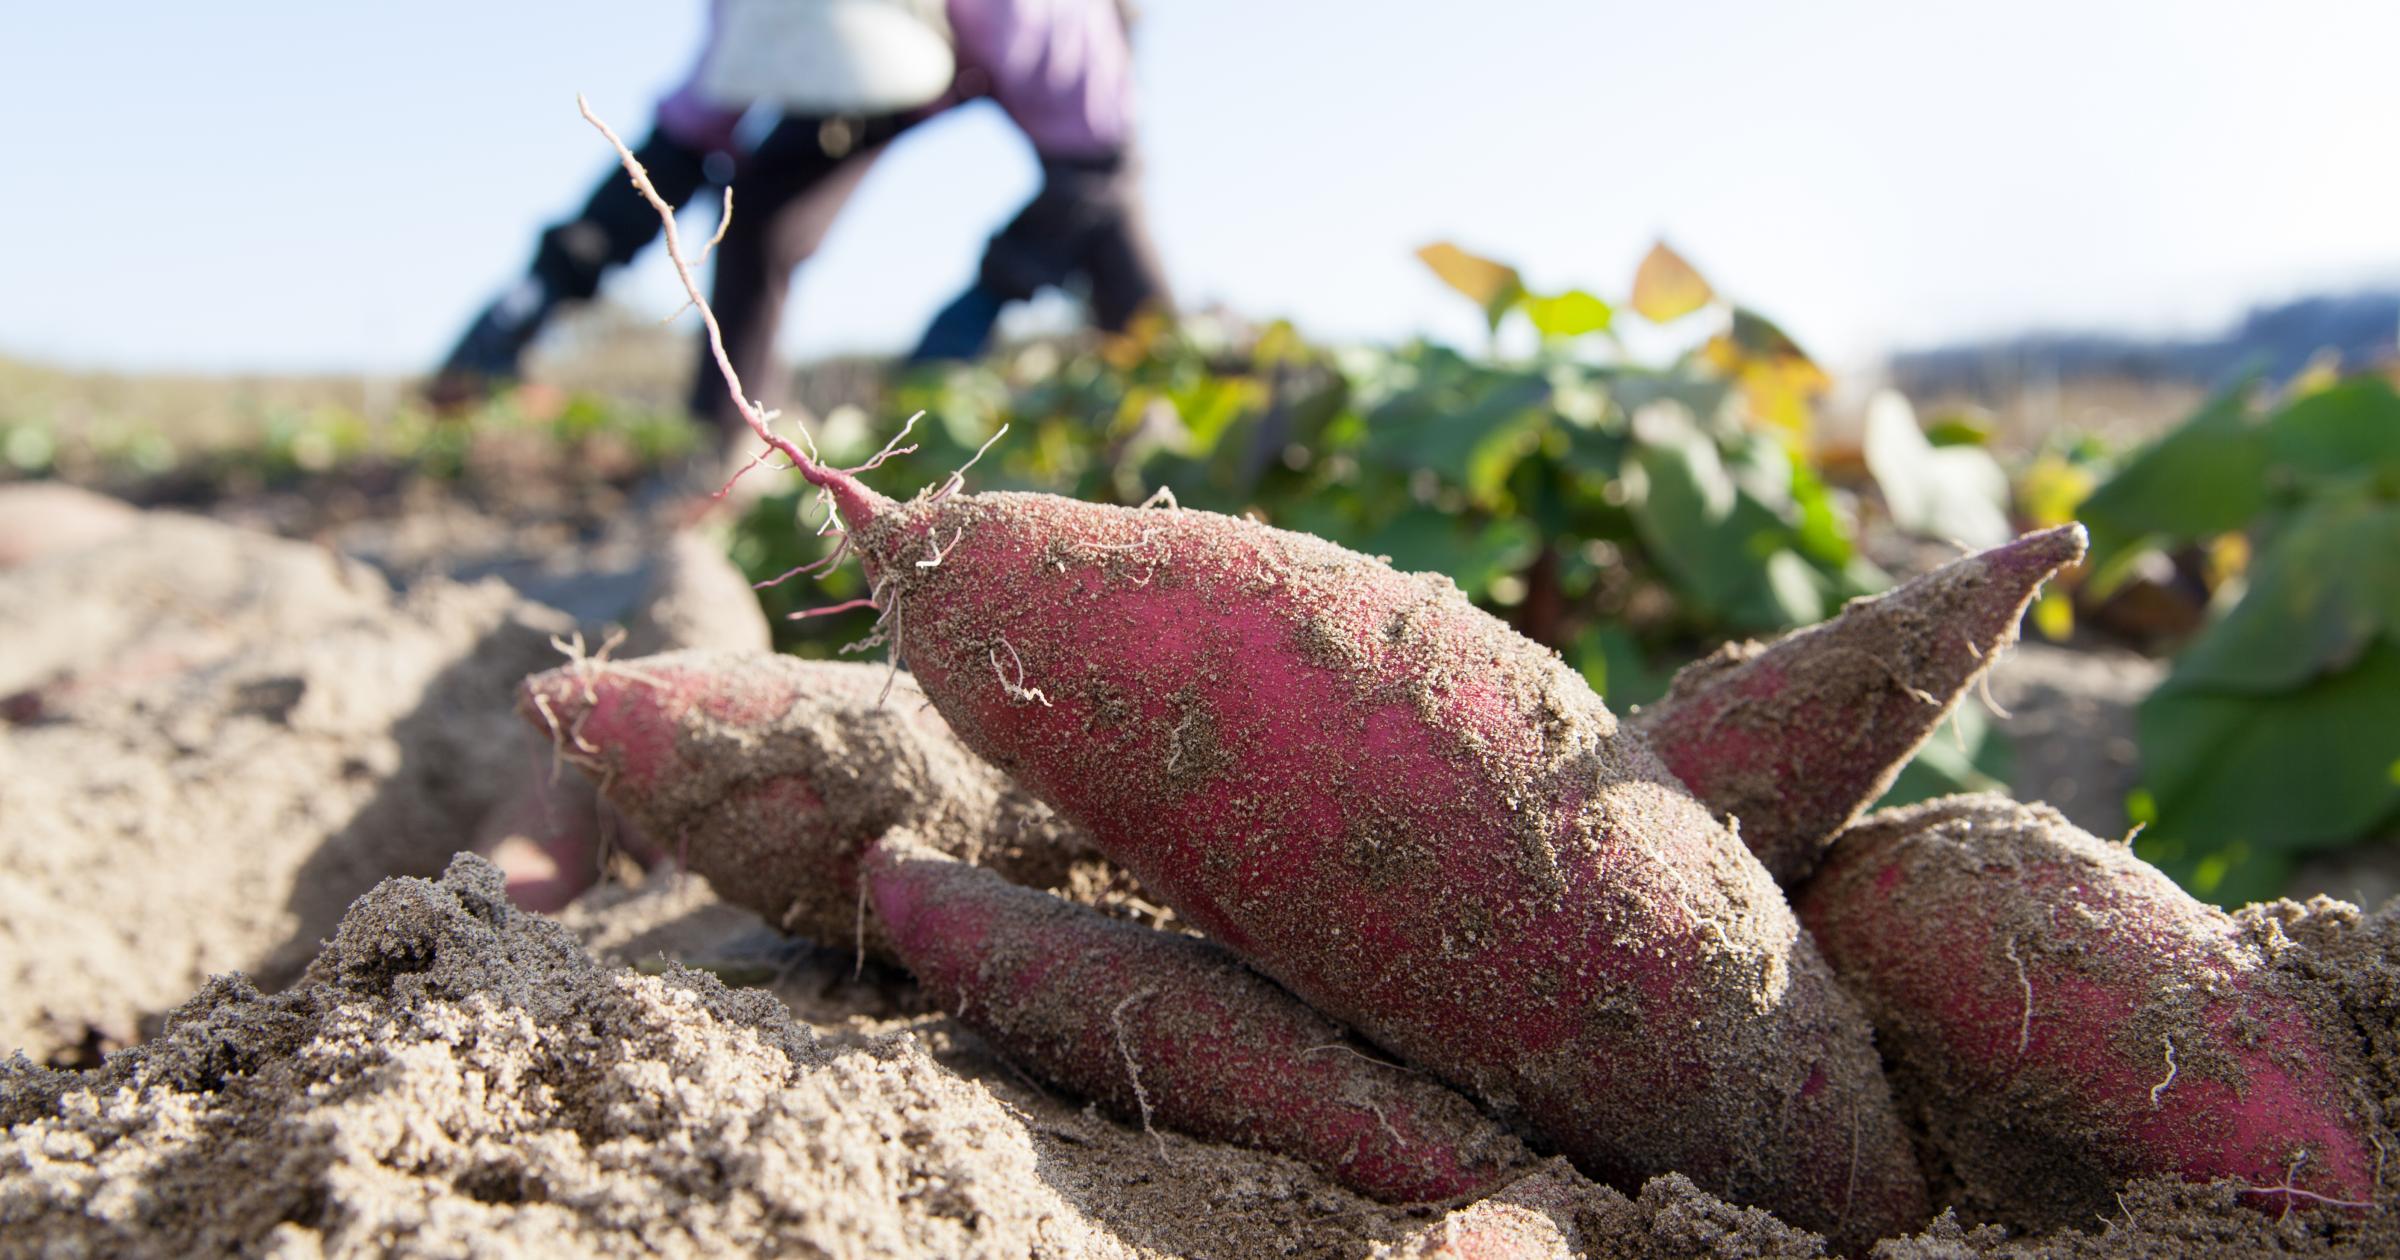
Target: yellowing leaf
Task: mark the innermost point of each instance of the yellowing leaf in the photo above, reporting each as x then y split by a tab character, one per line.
1666	288
2322	372
2054	615
1139	342
1491	285
2228	558
1573	313
2052	489
1782	393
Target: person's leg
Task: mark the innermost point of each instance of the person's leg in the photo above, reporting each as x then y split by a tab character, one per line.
568	263
1085	221
616	222
963	329
1033	251
1117	256
798	180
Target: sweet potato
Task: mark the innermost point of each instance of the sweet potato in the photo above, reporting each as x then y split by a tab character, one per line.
770	775
546	839
2065	1017
1168	1029
1794	738
1424	825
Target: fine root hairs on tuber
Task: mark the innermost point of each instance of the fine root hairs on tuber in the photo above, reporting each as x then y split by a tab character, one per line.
1422	824
1426	826
1794	738
1170	1030
2064	1017
770	775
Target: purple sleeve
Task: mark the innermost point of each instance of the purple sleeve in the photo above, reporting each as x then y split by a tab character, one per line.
688	116
1060	68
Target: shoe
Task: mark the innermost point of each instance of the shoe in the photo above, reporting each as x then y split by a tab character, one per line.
491	353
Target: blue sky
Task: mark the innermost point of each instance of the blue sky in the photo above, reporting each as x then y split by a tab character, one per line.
279	185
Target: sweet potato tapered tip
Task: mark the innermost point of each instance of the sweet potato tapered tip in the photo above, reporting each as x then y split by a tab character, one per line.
1794	738
1171	1030
769	775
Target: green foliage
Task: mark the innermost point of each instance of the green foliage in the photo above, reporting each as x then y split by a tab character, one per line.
2278	732
1955	491
2204	478
1622	512
139	448
1626	513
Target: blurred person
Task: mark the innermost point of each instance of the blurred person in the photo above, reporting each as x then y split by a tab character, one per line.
839	80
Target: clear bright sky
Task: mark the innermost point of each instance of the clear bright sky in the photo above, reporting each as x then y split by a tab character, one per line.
284	185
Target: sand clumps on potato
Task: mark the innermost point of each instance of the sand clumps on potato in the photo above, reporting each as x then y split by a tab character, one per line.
1294	745
771	775
2063	1018
1169	1029
1792	739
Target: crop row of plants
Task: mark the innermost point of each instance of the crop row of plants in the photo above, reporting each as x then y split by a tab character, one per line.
201	441
1626	512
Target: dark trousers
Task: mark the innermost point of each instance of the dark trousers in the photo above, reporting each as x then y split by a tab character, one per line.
1084	228
616	222
784	203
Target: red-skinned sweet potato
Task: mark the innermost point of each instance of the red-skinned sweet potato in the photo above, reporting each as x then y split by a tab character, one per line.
2065	1017
770	775
1794	738
1419	822
1172	1030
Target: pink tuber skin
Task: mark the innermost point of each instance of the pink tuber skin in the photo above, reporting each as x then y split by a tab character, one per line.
1420	823
545	838
770	775
2067	1018
1794	738
1168	1029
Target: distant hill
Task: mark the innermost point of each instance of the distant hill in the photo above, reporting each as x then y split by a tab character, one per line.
2275	340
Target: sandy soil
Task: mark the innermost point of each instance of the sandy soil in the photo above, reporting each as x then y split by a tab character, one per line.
454	1074
203	790
215	739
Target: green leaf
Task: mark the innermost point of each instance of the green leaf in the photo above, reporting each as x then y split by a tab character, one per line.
1718	545
1471	553
1967	754
1573	313
2338	432
1612	662
1594	454
1758	337
1469	432
2322	589
1762	468
1949	492
2206	477
1634	389
2243	783
1826	533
